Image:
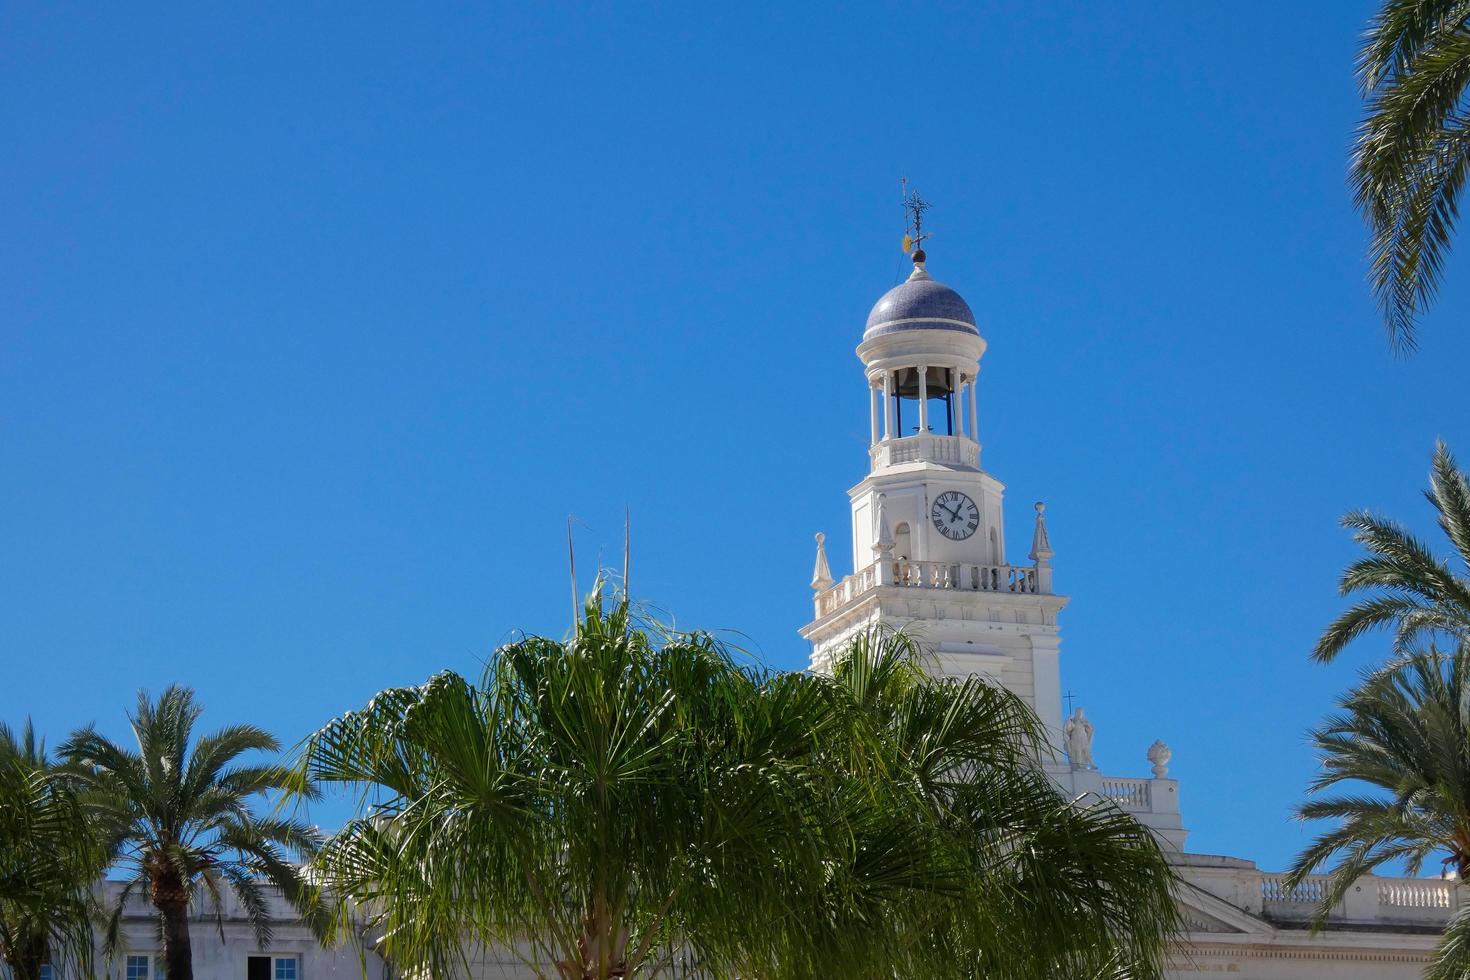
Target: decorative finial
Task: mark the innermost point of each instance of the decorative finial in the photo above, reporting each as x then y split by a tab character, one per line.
1040	540
914	235
1160	754
822	574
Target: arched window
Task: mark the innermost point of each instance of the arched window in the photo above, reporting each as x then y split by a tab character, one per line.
902	542
994	547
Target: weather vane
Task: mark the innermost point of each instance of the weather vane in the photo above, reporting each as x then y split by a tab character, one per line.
914	236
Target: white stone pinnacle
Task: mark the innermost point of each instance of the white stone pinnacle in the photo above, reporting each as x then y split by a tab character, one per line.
822	574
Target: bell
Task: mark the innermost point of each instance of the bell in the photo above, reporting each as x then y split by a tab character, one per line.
939	383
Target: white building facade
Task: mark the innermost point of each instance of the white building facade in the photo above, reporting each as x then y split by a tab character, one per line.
929	555
225	947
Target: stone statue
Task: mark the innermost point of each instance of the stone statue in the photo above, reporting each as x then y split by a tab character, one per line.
1078	733
1160	754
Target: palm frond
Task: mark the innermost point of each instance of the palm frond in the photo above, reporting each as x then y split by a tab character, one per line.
1411	591
1412	152
1452	955
50	855
1398	743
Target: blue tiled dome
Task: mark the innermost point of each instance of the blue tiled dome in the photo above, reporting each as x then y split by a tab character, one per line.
920	303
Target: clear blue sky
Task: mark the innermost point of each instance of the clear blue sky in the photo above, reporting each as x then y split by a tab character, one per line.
316	324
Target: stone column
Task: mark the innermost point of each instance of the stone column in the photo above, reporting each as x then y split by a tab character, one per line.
873	412
923	399
959	403
974	428
887	405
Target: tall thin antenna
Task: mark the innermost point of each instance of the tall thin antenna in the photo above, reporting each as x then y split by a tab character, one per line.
627	551
572	567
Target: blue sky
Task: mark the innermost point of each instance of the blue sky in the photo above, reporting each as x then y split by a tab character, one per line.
316	324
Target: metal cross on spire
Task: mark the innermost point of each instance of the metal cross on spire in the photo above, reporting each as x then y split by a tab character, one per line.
914	236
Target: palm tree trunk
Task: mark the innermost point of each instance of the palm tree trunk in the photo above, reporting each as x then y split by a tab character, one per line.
169	891
178	954
602	949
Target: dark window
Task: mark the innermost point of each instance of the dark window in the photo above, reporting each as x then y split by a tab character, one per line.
258	968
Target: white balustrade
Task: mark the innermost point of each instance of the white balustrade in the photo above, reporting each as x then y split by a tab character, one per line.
1413	893
835	597
1392	902
1311	891
1015	579
1134	795
1390	893
956	450
971	578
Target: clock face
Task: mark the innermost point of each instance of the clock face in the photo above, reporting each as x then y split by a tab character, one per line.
955	515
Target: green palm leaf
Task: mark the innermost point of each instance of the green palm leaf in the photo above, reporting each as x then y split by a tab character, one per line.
50	856
1409	589
1403	733
1412	153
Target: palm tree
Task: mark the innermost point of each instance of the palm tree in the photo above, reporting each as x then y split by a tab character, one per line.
1044	886
1404	732
1411	590
609	805
49	861
1413	150
179	808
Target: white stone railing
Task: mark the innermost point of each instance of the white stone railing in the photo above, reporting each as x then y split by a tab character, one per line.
1152	802
1133	795
1371	900
970	578
1275	890
954	450
1415	893
862	581
1015	579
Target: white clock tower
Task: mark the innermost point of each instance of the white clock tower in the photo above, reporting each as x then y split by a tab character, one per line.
928	535
929	555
